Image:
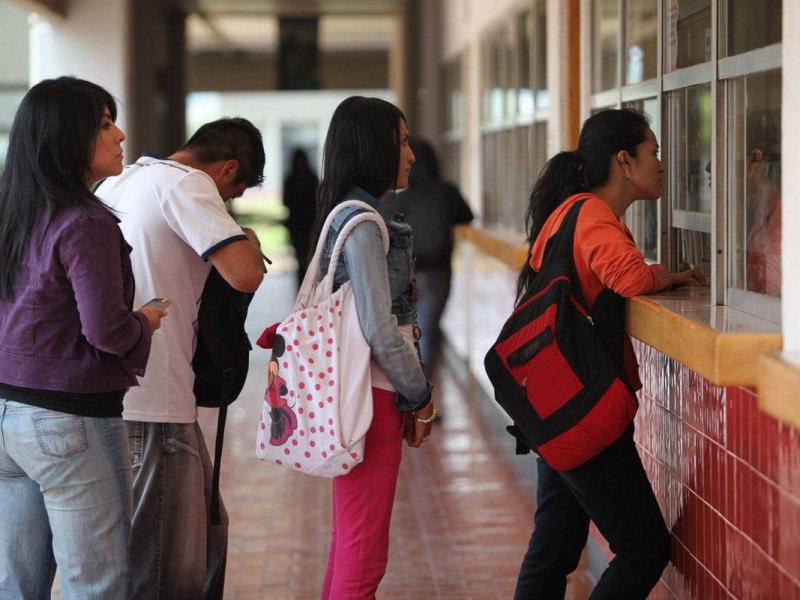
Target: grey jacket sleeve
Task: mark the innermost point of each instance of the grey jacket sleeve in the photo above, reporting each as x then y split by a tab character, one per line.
366	265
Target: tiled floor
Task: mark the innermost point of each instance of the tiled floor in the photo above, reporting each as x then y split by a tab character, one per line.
462	516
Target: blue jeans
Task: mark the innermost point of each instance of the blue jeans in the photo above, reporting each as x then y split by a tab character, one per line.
433	290
177	553
65	485
611	490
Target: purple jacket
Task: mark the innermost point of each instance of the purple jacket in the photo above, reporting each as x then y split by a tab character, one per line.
70	327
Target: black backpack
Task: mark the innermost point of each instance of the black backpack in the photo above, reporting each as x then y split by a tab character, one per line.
221	358
557	369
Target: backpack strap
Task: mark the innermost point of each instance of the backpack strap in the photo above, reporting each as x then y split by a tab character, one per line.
214	504
561	247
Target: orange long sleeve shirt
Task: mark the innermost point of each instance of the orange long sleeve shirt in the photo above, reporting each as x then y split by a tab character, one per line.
606	257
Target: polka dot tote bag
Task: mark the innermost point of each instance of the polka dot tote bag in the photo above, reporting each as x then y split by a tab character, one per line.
318	403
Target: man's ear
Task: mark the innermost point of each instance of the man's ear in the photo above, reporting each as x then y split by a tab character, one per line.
230	170
756	155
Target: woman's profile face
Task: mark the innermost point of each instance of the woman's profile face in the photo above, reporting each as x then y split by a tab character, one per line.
107	157
647	169
406	157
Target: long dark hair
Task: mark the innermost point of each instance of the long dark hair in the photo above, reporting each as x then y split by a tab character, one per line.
50	149
362	149
567	173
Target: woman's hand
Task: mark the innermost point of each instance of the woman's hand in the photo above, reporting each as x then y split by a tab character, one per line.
415	431
692	277
154	316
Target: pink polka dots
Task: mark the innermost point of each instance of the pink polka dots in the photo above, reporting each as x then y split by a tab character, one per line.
309	366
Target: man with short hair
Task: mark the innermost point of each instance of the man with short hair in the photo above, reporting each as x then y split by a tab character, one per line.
173	214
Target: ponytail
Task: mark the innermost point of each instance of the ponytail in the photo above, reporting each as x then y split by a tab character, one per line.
567	173
562	176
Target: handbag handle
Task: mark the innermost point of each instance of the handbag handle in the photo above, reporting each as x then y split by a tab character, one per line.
309	285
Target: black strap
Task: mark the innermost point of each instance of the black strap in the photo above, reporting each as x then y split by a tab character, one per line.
214	507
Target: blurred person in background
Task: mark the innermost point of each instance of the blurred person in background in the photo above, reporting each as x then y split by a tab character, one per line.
299	196
432	207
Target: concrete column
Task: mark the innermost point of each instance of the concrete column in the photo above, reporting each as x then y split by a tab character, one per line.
158	80
423	38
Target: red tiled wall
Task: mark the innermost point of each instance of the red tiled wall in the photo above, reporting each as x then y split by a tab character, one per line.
727	477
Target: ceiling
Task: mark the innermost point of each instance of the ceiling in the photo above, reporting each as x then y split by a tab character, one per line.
251	26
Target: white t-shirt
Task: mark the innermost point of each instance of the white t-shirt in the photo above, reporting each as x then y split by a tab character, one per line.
174	218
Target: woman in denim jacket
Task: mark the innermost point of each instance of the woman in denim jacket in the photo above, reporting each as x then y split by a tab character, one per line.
367	156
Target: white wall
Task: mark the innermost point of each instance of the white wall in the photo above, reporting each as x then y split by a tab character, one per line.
13	44
91	44
791	177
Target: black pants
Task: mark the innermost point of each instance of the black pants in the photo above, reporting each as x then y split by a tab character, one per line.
613	491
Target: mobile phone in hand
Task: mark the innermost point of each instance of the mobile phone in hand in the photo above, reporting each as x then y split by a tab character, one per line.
157	303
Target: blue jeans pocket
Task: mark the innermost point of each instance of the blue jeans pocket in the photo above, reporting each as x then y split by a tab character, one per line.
60	435
135	442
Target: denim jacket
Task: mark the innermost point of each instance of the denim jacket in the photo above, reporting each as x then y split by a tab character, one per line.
382	307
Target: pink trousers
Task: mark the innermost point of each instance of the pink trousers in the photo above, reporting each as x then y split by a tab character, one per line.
362	509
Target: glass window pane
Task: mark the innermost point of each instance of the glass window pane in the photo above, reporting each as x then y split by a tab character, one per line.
754	165
605	44
753	25
540	64
510	80
641	40
491	208
688	161
689	169
687	40
694	251
525	35
496	65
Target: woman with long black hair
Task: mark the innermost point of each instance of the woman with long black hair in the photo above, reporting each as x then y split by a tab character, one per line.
616	163
366	156
70	346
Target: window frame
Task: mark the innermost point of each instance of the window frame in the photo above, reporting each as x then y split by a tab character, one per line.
718	73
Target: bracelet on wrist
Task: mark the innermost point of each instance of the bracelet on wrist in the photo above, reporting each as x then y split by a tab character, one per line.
430	419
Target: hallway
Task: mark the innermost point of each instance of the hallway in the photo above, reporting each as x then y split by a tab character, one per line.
461	521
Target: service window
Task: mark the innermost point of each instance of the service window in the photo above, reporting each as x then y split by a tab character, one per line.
751	81
716	93
688	147
632	52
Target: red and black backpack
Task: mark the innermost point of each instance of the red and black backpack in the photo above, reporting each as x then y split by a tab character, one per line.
557	369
